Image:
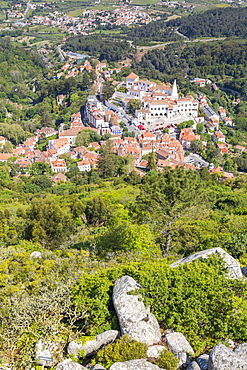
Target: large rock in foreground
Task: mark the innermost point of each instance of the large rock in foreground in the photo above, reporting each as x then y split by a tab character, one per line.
134	365
203	361
223	358
241	351
234	270
193	366
94	345
134	318
177	343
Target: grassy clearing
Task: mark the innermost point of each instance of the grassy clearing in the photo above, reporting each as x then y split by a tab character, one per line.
171	17
222	5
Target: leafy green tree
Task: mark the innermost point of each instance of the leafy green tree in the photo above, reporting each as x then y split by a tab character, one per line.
97	211
48	223
42	181
39	168
110	164
185	124
107	90
126	237
87	136
7	147
166	199
152	161
200	128
134	104
197	146
133	178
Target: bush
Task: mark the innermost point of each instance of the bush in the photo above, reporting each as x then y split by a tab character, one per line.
167	360
123	349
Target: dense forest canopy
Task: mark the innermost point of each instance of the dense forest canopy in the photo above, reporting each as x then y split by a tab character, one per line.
219	22
102	48
221	58
153	31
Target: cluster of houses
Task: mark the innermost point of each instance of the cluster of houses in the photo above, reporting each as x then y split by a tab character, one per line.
159	101
170	151
125	15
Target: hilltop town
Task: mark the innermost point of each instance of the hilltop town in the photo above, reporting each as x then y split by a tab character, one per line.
140	118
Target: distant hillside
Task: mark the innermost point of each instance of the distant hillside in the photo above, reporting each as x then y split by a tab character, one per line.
17	65
154	31
221	22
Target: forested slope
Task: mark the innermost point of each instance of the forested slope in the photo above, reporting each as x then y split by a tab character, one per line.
219	22
89	235
226	57
17	65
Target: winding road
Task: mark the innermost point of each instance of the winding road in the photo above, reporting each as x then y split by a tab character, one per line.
172	42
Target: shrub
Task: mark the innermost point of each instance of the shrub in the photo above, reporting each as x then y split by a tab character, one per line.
167	360
123	349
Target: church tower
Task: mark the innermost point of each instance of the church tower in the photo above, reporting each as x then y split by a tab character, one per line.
174	91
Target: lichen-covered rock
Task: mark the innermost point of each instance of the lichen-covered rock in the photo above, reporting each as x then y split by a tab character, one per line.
241	351
193	366
51	350
155	351
70	365
234	270
94	345
203	361
74	347
223	358
35	254
134	365
134	318
177	343
184	359
97	367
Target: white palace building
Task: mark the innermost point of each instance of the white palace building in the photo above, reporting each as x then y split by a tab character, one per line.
159	101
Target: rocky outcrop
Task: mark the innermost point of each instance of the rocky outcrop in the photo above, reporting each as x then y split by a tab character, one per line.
92	346
193	366
177	343
134	318
70	365
234	270
155	351
223	358
203	361
97	367
241	351
134	365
